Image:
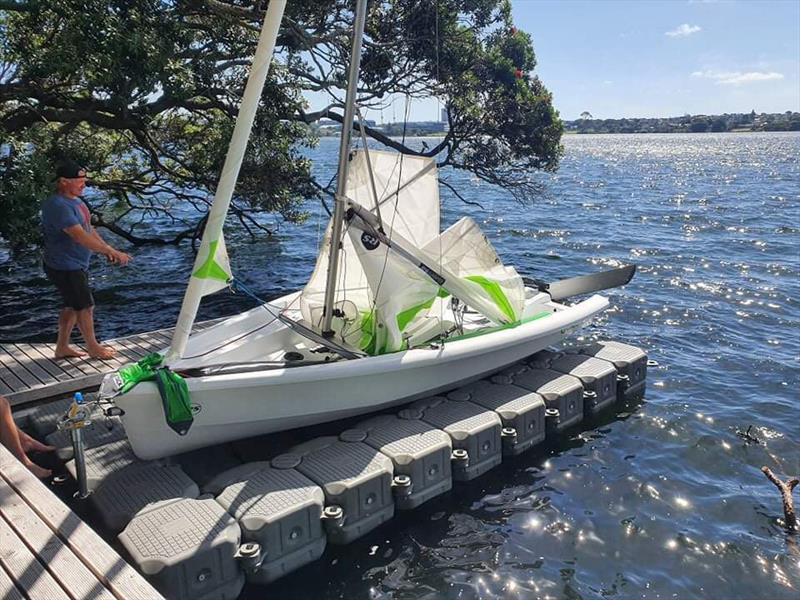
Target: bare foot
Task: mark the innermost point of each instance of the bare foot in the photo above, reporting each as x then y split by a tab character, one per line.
30	444
68	351
40	472
101	352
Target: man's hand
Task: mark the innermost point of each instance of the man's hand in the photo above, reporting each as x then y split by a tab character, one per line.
119	258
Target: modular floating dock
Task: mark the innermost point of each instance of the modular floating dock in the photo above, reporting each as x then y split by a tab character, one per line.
202	533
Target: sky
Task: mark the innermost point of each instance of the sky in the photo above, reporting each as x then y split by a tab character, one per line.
656	58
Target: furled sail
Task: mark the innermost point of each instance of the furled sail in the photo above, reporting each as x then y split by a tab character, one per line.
215	271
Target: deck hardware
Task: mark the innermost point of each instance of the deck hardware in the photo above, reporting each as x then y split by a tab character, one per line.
76	418
250	556
460	457
401	485
333	516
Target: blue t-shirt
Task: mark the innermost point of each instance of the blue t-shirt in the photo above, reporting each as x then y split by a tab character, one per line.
60	252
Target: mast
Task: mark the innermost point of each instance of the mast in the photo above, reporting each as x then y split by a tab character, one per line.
205	266
344	151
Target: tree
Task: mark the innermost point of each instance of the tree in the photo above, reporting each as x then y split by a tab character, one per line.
144	93
586	115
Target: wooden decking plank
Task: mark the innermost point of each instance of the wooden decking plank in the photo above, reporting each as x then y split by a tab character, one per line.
138	342
117	575
8	590
63	565
5	389
153	343
29	365
22	374
73	361
131	353
11	380
52	391
99	364
44	362
47	352
23	567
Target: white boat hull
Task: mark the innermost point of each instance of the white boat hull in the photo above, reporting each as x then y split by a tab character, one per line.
234	406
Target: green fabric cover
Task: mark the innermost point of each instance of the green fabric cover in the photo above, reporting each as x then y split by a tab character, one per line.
175	399
144	370
171	386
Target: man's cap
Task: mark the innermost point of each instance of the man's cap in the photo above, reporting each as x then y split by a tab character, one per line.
69	169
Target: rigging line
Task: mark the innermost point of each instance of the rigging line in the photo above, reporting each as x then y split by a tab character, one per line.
236	339
394	214
369	165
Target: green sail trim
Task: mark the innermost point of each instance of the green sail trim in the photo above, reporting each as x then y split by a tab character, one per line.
493	289
211	269
406	316
367	341
488	330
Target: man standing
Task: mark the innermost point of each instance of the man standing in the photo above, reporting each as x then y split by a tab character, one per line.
69	240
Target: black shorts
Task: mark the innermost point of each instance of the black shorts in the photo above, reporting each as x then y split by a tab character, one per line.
73	287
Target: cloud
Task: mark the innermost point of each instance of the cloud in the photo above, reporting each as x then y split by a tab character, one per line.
737	77
683	30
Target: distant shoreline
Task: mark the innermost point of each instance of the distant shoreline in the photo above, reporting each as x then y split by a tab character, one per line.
729	122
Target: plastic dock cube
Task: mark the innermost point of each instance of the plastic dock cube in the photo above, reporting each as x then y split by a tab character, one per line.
598	377
630	362
474	431
563	393
280	509
187	549
124	493
355	478
521	411
418	451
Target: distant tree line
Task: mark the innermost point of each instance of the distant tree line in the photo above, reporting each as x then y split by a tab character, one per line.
786	121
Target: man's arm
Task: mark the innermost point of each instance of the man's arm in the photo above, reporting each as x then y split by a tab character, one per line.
94	242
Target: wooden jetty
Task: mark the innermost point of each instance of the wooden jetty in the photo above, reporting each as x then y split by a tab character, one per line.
46	551
28	372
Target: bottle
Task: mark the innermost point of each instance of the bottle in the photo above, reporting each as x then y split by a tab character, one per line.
78	397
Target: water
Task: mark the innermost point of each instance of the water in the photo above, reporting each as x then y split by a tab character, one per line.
661	499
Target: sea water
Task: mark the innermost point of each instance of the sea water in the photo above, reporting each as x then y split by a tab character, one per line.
660	499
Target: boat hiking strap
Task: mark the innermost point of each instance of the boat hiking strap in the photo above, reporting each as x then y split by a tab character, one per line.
171	387
306	332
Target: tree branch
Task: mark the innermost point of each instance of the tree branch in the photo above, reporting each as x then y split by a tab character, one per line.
786	488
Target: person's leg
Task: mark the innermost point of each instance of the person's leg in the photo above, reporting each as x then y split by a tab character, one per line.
66	323
62	280
86	325
10	438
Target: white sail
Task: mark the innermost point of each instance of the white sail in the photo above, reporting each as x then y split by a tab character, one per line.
408	201
475	273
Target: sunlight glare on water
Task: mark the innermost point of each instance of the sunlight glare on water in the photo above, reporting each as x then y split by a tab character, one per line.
657	499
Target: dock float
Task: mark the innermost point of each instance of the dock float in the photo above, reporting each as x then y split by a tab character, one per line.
204	535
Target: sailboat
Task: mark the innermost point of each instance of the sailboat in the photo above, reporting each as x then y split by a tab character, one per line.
395	310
